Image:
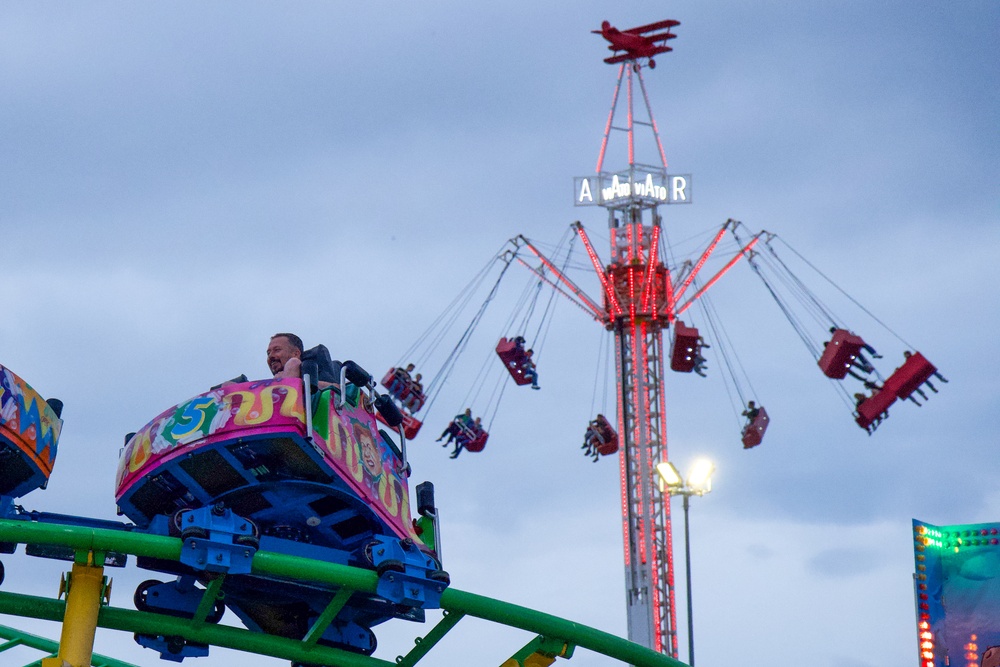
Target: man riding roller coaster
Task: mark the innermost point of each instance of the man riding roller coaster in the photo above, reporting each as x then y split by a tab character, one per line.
284	357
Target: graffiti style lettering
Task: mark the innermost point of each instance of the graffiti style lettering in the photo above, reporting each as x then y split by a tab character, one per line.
256	409
388	495
194	417
352	455
32	419
142	449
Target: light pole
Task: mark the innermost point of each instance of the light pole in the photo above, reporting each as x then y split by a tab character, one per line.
698	483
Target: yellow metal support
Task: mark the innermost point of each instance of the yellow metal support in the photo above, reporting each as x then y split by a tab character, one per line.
539	652
85	591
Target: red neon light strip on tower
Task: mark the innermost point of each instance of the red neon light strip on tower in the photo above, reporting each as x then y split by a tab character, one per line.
701	262
718	275
667	530
640	380
650	269
648	474
609	291
631	293
596	310
623	450
611	115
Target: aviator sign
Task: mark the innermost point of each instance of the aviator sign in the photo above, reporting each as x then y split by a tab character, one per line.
617	189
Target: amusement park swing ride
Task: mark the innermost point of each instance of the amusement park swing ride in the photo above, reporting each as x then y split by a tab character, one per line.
287	501
641	298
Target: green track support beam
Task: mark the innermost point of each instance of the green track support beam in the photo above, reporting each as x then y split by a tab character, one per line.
18	638
348	580
423	645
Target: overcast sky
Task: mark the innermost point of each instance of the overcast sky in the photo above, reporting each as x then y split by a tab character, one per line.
179	181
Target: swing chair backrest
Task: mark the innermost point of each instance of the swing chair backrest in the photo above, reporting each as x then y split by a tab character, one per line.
515	360
685	350
840	353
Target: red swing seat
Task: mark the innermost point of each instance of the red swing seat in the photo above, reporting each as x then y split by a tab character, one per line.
901	384
411	425
685	351
914	372
753	433
875	408
400	386
515	360
840	353
471	439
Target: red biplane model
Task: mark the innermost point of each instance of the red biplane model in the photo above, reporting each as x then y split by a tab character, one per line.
635	42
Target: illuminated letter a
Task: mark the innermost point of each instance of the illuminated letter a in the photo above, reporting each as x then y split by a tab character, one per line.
585	191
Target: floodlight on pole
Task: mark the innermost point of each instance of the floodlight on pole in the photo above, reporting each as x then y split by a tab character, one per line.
698	483
669	477
699	479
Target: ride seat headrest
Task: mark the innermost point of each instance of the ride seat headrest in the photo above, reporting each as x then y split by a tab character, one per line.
329	370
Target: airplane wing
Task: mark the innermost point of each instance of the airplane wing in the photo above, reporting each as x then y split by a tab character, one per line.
653	26
632	56
663	36
618	59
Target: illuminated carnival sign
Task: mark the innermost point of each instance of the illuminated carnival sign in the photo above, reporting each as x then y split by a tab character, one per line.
641	186
957	591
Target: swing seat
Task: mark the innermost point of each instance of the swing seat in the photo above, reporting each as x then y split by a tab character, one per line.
514	360
914	372
875	408
413	400
395	382
840	353
753	433
411	425
607	440
685	350
471	439
602	438
400	387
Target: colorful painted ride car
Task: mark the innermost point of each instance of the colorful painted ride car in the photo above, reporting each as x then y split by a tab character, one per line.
280	466
29	435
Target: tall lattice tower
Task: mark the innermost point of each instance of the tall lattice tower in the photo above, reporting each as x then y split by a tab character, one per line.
637	307
641	299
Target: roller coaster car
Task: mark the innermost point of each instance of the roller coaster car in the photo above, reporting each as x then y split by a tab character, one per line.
839	354
905	380
272	465
29	435
686	349
753	432
516	360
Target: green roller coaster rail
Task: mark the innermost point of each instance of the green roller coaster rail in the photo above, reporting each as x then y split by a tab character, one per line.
551	630
17	638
